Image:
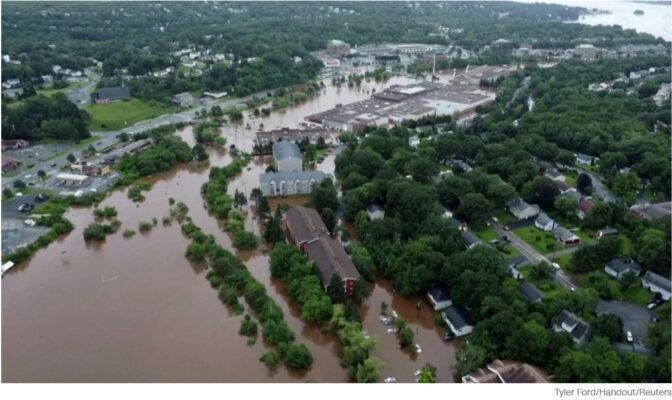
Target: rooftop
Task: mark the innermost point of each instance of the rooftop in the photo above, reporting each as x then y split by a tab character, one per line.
286	150
331	258
657	280
457	317
305	224
531	292
620	266
291	176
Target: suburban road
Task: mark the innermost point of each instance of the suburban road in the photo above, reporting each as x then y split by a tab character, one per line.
81	96
533	255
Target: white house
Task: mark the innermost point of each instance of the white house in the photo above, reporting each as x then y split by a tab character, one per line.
569	323
657	284
287	156
521	209
439	298
544	222
374	211
458	321
618	268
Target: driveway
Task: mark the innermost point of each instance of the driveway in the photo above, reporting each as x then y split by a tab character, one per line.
636	319
523	223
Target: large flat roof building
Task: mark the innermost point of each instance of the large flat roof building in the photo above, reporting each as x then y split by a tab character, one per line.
398	103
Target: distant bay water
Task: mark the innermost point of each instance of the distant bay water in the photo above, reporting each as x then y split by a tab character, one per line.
656	20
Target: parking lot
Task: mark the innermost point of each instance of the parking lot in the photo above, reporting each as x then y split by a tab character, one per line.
636	319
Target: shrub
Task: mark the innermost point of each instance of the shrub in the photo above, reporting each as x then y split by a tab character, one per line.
248	327
128	233
271	359
245	241
145	226
107	212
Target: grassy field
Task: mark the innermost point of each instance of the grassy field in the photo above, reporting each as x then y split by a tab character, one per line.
487	234
504	217
571	176
550	288
627	244
634	294
121	114
541	241
51	92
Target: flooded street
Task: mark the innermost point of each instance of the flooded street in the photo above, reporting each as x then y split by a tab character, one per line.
135	310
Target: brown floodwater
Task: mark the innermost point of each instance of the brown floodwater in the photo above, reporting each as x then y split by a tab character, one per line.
135	310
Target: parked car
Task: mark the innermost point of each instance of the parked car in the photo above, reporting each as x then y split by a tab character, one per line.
41	197
54	165
628	334
655	303
26	207
556	265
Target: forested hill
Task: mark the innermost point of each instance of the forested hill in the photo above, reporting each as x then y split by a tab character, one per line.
140	36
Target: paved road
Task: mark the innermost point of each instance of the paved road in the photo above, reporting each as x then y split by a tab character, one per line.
533	255
81	96
106	139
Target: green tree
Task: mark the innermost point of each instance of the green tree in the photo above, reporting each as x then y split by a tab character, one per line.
470	358
427	374
298	356
199	152
19	184
324	196
329	217
609	326
584	183
335	289
71	158
369	370
475	208
41	174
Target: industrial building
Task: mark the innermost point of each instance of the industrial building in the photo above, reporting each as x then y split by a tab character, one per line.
398	103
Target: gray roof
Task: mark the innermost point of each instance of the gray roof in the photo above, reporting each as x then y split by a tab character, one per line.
580	326
608	231
518	205
620	266
112	93
470	239
657	280
291	176
439	294
457	317
516	261
543	219
531	292
331	258
563	233
284	150
654	211
584	157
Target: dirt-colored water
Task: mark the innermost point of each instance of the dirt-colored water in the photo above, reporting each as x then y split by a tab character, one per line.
135	310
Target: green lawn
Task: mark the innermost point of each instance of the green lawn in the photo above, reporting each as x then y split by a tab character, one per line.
627	244
570	177
487	234
637	294
543	242
121	114
550	288
51	92
586	237
504	217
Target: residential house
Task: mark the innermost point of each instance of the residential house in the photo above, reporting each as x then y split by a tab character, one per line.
375	212
461	165
618	268
439	298
513	264
586	51
11	83
544	222
606	232
657	284
306	230
12	93
507	372
652	211
14	144
555	175
585	159
565	236
470	240
106	95
287	157
521	209
9	164
571	324
562	186
182	100
457	320
289	183
531	292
